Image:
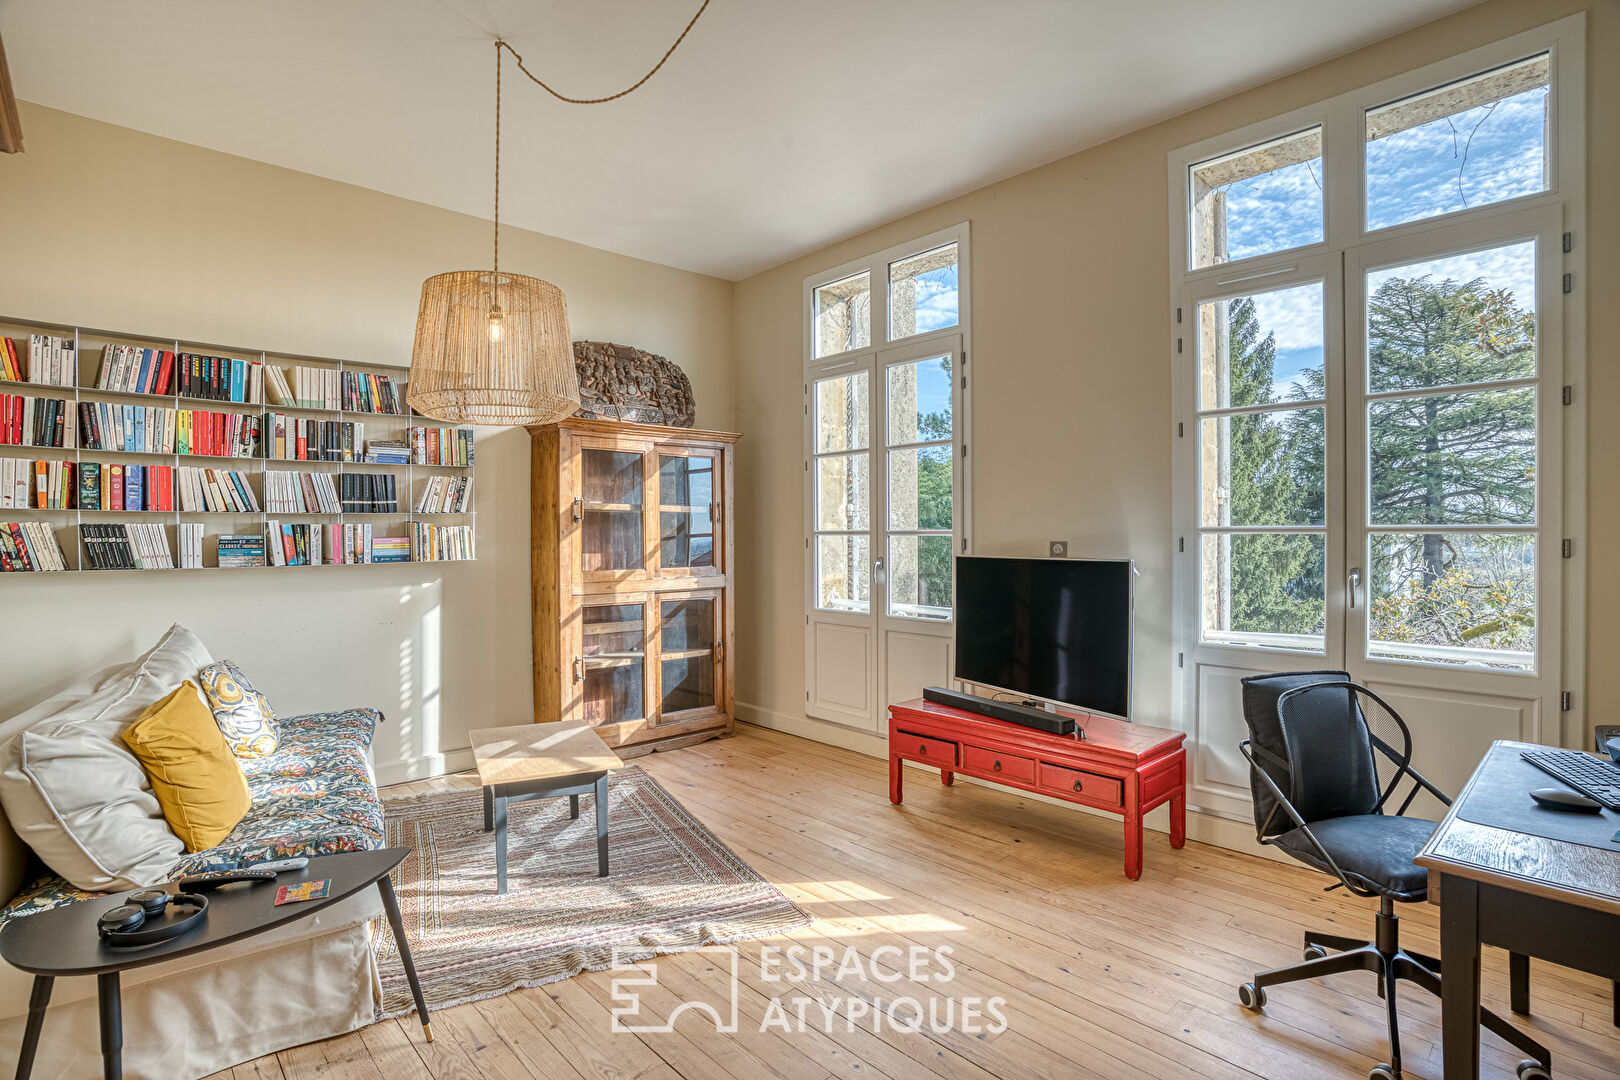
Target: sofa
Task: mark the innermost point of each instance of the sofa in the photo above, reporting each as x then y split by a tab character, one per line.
308	980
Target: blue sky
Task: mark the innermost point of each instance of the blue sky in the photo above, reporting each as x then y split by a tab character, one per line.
933	386
936	299
1474	158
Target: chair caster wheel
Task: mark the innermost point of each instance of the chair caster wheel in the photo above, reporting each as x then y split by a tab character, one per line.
1251	997
1382	1072
1531	1069
1315	952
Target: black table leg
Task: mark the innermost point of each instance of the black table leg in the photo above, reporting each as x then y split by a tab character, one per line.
391	907
573	806
112	1026
500	844
489	809
1519	983
37	1000
1459	953
601	827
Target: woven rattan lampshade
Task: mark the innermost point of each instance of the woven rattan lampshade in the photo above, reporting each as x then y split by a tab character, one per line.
515	368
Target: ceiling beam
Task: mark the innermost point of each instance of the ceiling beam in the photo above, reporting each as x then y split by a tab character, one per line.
11	141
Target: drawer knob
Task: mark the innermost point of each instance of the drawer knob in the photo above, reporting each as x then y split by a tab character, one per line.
998	766
1077	785
922	751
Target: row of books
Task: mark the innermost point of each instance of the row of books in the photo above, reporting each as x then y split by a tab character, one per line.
441	446
387	452
364	391
300	493
241	549
126	547
370	493
35	421
190	535
130	369
47	359
312	388
294	438
144	429
441	543
216	491
39	485
446	495
29	546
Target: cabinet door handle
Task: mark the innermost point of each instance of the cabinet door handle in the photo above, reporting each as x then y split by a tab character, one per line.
579	507
579	669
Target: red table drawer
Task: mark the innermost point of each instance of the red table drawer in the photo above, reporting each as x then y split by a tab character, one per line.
1104	792
933	751
993	763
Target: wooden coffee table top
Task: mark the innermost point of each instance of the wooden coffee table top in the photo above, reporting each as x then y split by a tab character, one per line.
515	755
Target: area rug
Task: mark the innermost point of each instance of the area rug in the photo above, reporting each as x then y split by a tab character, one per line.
673	886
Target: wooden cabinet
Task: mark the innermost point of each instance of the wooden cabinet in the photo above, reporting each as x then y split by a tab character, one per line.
631	537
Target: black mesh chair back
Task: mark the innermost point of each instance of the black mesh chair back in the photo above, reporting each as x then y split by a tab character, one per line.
1260	694
1331	771
1347	751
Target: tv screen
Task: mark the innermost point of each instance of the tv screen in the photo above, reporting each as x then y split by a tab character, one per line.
1058	629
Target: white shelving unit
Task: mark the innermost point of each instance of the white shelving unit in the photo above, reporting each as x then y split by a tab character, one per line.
88	346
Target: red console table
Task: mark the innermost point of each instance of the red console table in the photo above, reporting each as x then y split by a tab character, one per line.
1125	768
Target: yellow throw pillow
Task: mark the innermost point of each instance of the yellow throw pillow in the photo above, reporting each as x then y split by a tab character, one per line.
194	775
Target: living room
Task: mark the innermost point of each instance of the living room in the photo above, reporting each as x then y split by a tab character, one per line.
1018	231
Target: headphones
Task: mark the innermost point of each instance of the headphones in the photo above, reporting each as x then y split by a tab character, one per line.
123	925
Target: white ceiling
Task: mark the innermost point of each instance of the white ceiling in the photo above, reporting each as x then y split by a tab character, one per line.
778	127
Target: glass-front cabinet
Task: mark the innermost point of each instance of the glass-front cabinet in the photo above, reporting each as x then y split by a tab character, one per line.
631	544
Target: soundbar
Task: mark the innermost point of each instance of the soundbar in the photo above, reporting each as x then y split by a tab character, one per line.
1027	715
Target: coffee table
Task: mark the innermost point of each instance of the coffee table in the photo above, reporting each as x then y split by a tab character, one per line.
542	761
63	941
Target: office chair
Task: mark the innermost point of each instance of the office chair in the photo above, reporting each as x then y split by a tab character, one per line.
1325	757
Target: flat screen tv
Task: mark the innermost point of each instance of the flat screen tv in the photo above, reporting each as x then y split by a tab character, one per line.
1058	629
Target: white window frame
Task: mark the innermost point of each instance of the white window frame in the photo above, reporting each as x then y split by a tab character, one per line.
1341	119
875	358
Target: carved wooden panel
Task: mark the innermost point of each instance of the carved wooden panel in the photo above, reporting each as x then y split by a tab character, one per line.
622	382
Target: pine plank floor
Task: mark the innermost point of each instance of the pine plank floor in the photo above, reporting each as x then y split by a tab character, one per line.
1102	977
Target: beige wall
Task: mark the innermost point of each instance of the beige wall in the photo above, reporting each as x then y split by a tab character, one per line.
105	227
1071	399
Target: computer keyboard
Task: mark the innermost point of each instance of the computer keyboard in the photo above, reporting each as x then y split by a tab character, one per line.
1593	777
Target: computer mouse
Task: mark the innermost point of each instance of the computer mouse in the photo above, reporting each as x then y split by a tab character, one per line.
1555	798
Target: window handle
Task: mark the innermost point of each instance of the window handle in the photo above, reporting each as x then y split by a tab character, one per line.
1353	585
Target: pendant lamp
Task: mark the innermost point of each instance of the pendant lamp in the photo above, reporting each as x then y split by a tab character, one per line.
494	348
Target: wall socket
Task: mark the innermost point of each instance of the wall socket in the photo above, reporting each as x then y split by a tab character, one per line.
1057	549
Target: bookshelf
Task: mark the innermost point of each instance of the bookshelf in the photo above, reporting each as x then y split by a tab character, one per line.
411	478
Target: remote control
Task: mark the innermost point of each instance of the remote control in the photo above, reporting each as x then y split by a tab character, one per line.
278	865
215	878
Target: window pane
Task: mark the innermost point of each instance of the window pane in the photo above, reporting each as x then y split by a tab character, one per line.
1264	589
919	401
1263	468
920	488
920	577
1470	144
685	512
1261	348
843	499
1260	200
1454	459
614	646
843	412
844	315
1454	320
843	573
1454	598
922	293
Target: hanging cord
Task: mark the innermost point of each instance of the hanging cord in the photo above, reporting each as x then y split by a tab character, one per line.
499	45
611	97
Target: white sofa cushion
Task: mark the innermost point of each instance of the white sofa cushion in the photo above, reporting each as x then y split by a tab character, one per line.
74	792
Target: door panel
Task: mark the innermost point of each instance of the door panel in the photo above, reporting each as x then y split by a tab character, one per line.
841	674
612	486
1451	730
914	661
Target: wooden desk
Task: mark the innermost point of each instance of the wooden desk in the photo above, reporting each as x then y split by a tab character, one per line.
1530	895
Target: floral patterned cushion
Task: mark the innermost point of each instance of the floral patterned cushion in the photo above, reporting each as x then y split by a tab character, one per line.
241	712
314	796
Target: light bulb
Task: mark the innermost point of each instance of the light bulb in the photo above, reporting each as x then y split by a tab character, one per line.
497	324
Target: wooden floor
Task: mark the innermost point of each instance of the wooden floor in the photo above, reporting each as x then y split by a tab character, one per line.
1101	976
